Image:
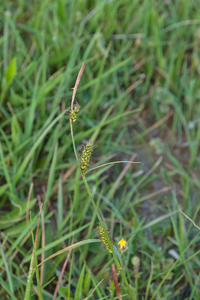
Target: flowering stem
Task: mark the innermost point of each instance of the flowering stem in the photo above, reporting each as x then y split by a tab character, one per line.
82	167
105	232
97	213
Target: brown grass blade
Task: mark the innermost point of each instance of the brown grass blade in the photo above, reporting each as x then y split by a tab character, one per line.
114	274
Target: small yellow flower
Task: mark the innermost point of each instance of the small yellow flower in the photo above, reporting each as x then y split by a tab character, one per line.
122	245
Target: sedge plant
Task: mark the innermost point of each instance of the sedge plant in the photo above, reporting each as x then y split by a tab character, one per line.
83	164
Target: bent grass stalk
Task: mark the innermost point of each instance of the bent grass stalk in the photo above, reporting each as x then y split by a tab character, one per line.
119	265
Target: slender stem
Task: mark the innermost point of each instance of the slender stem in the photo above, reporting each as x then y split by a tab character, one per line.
100	220
92	200
108	238
97	213
74	146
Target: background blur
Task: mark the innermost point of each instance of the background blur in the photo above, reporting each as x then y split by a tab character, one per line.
140	101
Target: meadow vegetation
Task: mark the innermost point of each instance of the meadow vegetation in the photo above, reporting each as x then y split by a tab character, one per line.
139	98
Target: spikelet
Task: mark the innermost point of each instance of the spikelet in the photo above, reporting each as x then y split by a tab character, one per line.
86	157
74	112
102	236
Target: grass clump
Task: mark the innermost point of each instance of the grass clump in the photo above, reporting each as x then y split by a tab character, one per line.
140	102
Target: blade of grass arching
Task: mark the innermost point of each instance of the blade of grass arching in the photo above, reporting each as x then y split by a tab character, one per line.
57	242
112	163
76	245
7	289
34	147
181	23
7	270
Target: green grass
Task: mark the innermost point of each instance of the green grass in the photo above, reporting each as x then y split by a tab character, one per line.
139	95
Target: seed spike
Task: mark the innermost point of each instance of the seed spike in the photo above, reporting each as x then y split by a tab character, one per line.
86	157
102	236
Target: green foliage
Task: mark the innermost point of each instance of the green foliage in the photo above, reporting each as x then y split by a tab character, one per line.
139	95
8	78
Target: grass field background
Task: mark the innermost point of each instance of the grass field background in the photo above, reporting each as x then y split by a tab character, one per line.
140	101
